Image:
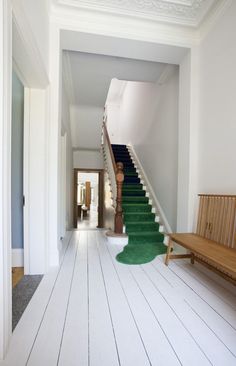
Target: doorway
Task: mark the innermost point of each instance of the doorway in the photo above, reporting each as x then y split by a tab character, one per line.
88	198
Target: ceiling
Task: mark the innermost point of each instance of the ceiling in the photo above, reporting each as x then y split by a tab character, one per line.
88	76
183	12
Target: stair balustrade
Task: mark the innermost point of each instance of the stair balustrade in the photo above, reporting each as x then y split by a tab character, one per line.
116	176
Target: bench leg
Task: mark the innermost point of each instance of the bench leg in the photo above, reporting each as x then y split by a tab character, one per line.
192	258
170	246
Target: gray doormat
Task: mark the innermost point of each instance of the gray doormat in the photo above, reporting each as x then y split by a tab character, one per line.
21	296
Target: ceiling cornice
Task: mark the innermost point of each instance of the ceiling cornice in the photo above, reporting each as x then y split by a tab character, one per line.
183	12
95	22
32	66
98	21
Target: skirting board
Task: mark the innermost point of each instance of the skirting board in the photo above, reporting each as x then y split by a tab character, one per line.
17	257
117	239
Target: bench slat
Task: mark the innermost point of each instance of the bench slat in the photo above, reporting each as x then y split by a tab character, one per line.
222	257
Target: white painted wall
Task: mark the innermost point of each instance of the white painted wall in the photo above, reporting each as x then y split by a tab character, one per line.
217	130
86	126
149	121
65	115
35	210
88	159
184	144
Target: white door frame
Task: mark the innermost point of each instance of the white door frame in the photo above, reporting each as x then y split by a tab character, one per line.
30	68
63	185
26	178
5	174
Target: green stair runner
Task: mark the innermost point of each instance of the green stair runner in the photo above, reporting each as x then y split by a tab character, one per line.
145	240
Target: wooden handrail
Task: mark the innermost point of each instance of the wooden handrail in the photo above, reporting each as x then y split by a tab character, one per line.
119	174
119	212
109	146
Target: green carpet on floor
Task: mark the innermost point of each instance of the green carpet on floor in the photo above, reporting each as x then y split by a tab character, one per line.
140	254
145	241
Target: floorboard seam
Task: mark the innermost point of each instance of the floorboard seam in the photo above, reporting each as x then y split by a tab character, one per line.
108	304
176	315
68	301
205	286
129	305
182	280
51	293
88	302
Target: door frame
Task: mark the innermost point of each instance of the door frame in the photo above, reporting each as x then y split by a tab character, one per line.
5	175
100	195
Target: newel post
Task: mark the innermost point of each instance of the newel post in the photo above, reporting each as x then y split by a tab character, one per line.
119	212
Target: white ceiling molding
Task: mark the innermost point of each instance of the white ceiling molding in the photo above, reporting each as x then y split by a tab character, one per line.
127	27
67	77
93	19
183	12
27	58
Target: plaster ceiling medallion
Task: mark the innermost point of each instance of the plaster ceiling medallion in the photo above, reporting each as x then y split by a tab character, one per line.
184	12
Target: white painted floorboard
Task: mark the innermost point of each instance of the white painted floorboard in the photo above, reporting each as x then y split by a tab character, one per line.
94	311
74	349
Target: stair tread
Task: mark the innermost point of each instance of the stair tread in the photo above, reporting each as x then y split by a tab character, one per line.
137	233
135	199
135	204
132	190
143	223
139	213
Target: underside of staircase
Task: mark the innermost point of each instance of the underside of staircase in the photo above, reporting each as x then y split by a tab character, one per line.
145	241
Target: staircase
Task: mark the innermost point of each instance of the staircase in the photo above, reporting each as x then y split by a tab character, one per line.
145	240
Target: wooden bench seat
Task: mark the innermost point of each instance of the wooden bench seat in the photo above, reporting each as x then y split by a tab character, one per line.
214	244
214	254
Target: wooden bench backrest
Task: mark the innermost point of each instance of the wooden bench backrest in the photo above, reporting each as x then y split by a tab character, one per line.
217	219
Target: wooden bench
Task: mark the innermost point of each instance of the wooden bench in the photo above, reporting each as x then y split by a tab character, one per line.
214	243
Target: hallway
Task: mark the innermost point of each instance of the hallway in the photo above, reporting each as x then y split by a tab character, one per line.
96	311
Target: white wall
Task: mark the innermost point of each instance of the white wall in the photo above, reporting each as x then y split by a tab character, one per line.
149	121
217	131
113	116
35	210
88	159
86	126
65	113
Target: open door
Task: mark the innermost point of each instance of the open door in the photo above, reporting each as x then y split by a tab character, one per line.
88	198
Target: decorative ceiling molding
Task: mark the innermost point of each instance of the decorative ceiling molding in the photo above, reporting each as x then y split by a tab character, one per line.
182	12
30	67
